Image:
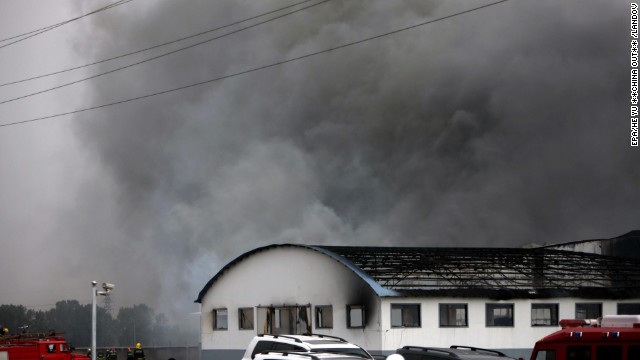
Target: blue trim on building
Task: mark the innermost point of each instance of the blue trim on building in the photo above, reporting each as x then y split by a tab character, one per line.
375	286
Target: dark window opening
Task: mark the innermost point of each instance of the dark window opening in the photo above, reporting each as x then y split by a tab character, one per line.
544	314
588	310
578	353
453	315
628	308
545	355
245	318
499	314
405	315
294	320
219	319
609	353
324	317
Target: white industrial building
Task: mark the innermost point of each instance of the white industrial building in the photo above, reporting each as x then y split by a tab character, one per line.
382	298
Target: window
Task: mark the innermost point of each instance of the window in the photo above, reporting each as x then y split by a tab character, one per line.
633	352
266	345
546	355
245	318
609	353
262	345
544	314
286	319
355	316
219	319
405	315
499	314
628	308
578	352
588	310
277	346
453	315
324	317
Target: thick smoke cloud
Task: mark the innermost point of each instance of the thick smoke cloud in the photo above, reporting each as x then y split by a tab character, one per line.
499	127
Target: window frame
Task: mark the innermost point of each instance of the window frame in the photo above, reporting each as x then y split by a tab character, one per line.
554	318
581	351
284	319
361	309
449	306
545	354
404	307
322	319
215	313
489	307
620	311
587	304
242	315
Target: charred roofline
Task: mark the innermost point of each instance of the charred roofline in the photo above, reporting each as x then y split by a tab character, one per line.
477	272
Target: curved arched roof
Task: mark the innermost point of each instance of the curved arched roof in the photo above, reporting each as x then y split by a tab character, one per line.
379	290
500	273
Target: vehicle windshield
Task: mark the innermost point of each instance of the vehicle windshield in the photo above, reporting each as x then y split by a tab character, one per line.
359	352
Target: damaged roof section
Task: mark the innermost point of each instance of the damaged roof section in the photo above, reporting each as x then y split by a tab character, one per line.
495	272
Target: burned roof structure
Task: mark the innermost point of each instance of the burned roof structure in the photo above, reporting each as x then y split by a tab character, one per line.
496	273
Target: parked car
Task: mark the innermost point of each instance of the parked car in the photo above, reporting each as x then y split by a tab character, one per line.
453	352
303	343
295	355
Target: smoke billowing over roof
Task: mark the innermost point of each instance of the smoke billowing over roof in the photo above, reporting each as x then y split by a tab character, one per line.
499	127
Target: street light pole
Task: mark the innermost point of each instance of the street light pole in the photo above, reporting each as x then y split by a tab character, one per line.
93	319
94	293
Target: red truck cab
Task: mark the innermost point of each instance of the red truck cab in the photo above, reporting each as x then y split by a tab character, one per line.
614	337
37	347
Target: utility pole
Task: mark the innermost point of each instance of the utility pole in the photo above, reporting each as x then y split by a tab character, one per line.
94	293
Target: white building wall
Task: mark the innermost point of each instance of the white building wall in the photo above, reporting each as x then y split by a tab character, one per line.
521	336
300	276
287	276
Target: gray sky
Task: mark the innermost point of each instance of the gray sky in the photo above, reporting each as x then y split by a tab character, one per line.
500	127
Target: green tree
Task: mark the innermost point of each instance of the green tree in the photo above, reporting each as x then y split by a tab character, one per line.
135	324
37	321
68	316
13	317
132	325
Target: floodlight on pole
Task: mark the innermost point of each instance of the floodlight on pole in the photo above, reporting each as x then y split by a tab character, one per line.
107	287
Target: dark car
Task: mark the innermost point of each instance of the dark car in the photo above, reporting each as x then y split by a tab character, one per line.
453	352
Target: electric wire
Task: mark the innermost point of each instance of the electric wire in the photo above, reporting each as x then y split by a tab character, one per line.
36	32
155	46
256	68
119	2
161	55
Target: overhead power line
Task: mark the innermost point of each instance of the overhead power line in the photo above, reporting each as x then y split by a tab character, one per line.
153	47
161	55
36	32
254	69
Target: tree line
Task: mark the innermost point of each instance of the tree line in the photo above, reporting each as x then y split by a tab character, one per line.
133	324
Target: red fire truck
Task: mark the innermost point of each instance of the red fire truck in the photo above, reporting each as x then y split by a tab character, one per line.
37	346
613	337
